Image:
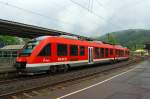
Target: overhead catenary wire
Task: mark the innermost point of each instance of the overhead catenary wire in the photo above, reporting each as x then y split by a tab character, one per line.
54	19
99	3
35	13
87	9
92	12
32	12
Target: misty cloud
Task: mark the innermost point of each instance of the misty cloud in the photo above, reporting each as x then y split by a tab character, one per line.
64	15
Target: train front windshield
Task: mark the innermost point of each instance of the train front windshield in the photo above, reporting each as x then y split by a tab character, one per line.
29	48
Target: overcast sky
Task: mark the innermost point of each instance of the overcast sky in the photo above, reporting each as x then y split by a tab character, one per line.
79	16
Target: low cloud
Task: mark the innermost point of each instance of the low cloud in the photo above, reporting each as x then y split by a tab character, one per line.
105	16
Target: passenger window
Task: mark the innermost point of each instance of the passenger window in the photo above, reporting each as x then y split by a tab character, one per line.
122	53
62	50
128	52
102	52
73	50
111	51
46	51
106	51
82	50
0	54
97	52
117	52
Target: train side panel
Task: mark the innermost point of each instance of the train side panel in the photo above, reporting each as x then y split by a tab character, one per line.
56	51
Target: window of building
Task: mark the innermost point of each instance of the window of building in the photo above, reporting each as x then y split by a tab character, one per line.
97	52
106	52
101	52
82	50
46	51
14	54
73	50
6	54
62	50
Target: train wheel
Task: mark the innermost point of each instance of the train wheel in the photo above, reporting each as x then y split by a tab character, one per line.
66	67
112	61
53	69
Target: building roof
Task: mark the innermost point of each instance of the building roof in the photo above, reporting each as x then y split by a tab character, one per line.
12	47
147	46
12	28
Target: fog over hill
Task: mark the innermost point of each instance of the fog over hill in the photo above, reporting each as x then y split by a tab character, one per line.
131	38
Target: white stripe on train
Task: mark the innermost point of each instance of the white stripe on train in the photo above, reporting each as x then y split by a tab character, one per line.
71	62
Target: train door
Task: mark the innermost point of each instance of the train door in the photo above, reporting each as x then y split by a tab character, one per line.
90	54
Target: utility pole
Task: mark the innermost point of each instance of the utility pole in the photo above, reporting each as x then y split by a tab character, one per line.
111	39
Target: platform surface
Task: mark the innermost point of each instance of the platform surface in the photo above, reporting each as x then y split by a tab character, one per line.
131	84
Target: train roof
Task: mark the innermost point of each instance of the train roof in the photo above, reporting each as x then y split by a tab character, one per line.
120	47
80	42
75	41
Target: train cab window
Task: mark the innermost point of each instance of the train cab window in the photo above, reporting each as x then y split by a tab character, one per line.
62	50
82	50
46	51
111	51
97	52
101	52
106	52
29	47
73	50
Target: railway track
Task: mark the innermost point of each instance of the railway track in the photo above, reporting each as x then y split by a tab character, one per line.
21	78
24	86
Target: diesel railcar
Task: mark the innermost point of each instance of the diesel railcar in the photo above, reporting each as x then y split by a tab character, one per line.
54	53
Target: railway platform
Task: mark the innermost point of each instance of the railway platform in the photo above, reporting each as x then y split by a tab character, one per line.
6	64
131	84
4	68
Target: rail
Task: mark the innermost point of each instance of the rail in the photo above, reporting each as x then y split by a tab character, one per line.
27	85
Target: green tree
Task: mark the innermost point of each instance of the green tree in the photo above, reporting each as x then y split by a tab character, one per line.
7	40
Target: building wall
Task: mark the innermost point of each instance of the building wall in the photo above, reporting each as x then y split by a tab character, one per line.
8	53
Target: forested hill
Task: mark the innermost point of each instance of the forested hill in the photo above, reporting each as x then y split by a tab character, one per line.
132	38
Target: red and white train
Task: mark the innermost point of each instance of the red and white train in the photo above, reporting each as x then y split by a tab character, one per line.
53	53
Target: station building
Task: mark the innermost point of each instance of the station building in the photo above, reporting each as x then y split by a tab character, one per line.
10	50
